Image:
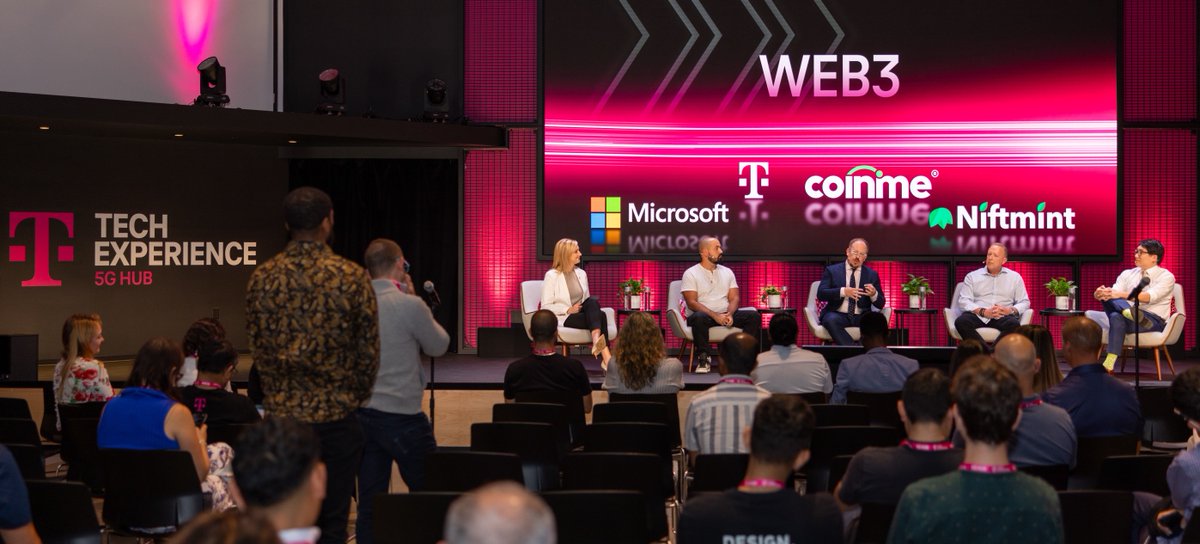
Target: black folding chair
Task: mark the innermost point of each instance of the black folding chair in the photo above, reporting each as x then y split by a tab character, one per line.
1096	517
149	488
639	472
874	523
575	516
29	460
1090	453
11	408
63	512
80	451
1136	473
1161	427
19	431
460	471
1055	475
534	443
571	401
670	401
537	412
830	442
841	415
717	472
882	406
417	518
837	470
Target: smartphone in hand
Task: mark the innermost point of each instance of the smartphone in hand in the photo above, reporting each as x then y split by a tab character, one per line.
199	418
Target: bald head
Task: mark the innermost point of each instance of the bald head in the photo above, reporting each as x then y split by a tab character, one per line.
705	243
500	513
1018	354
381	257
1081	340
739	353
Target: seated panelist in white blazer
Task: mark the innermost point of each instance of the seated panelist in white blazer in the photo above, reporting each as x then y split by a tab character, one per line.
565	292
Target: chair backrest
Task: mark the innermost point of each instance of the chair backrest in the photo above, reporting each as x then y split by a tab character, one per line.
841	415
1136	473
952	302
1091	517
1176	321
466	470
1092	450
19	431
63	512
1055	475
837	469
536	412
628	438
630	412
11	408
569	400
811	312
29	460
829	442
149	488
670	401
874	523
718	471
882	406
1161	423
79	448
532	442
419	518
1180	302
625	472
575	516
531	299
675	296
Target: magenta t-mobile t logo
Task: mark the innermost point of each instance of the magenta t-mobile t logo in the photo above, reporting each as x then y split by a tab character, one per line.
41	244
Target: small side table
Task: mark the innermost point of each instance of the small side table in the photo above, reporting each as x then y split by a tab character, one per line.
928	313
1047	313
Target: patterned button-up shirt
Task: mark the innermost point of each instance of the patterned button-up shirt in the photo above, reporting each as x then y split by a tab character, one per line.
314	333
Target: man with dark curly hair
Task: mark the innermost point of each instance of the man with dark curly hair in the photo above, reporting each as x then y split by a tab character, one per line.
278	472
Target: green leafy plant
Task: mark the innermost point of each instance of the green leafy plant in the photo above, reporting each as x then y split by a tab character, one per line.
914	284
632	286
769	290
1059	287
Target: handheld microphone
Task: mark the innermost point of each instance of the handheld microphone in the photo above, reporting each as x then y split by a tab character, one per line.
1140	286
434	299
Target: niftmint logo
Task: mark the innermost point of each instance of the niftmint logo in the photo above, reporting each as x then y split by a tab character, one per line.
604	219
992	215
41	244
940	217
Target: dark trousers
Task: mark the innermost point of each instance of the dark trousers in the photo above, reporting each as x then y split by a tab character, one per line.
836	323
748	320
589	317
341	451
404	438
1118	326
968	322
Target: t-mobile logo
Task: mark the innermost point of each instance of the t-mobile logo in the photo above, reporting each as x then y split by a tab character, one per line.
754	181
41	244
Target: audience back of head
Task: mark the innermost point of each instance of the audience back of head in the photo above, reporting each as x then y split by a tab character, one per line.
543	326
739	353
305	208
500	513
1017	353
228	527
966	349
277	460
1185	395
640	350
1049	375
926	396
201	333
381	257
157	365
874	328
783	427
1081	341
783	329
215	357
987	400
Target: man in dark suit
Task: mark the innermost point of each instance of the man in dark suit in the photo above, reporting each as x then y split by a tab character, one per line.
849	289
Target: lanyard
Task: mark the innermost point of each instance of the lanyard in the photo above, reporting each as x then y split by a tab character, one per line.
763	482
544	352
1026	404
988	469
206	383
742	381
927	446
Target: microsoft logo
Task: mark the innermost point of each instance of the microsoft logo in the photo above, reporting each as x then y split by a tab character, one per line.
605	221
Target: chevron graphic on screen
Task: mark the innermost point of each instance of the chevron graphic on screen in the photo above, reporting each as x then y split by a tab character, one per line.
605	222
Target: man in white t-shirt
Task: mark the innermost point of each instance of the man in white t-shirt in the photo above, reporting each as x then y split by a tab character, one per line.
711	294
1117	319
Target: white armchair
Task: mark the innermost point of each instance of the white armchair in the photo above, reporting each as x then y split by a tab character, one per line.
812	315
531	299
988	334
681	329
1158	341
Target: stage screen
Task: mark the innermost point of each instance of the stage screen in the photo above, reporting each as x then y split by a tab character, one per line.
785	128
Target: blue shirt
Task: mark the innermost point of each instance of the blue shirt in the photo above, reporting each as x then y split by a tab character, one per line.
14	499
876	371
1099	404
134	420
1183	478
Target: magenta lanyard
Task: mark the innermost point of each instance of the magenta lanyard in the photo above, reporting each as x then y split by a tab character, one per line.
763	482
1026	404
927	446
988	469
742	381
206	383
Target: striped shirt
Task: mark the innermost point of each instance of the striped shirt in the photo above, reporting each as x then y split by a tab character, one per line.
716	417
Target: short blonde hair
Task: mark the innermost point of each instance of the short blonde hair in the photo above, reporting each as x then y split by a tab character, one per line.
562	253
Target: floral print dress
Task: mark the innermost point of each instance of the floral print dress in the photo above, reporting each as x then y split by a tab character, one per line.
86	382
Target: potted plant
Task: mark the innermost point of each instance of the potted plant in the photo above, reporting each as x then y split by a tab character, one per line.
916	288
631	291
1061	289
772	295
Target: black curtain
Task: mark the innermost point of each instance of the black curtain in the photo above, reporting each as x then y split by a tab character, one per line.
411	201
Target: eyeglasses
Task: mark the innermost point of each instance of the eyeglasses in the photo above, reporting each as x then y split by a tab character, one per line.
1140	251
856	253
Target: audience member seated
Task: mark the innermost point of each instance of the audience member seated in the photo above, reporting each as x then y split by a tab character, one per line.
1183	475
880	475
229	527
987	499
207	395
787	368
964	351
876	371
1045	435
761	509
545	369
79	377
1048	375
200	333
500	513
642	365
148	416
16	519
279	473
1099	404
716	417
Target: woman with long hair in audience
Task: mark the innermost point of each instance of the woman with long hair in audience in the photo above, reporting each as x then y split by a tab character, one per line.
642	365
147	415
966	349
1048	375
200	333
79	377
565	292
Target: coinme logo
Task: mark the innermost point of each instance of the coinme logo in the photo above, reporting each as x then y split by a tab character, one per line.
18	253
605	222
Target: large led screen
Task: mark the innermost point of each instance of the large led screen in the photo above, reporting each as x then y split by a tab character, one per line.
786	127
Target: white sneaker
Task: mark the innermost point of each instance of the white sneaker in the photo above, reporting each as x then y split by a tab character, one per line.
703	366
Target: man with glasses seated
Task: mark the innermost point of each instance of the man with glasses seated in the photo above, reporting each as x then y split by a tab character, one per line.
1157	287
850	289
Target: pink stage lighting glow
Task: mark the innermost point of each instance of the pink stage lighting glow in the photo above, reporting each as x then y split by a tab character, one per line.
193	22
